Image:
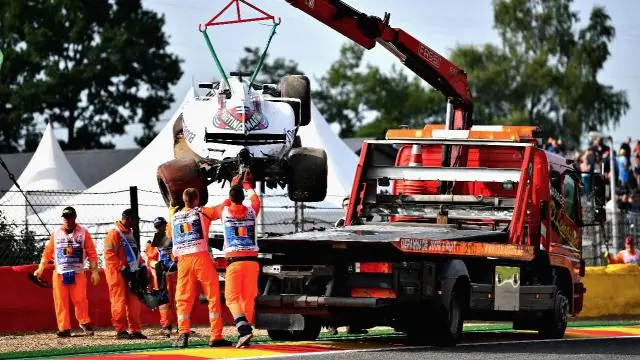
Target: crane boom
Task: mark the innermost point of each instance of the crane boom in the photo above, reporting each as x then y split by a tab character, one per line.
367	30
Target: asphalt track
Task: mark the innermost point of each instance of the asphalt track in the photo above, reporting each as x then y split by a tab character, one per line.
605	342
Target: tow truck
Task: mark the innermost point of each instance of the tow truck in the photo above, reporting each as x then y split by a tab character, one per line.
481	223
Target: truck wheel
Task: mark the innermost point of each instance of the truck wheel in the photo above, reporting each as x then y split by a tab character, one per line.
308	174
298	87
553	323
176	175
444	329
311	332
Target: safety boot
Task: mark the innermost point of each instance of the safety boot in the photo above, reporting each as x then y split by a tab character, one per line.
122	335
182	342
219	343
88	329
166	331
64	333
244	340
137	336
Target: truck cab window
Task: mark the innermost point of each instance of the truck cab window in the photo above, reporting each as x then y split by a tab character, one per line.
570	197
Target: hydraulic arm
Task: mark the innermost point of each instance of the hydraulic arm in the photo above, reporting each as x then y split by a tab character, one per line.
368	30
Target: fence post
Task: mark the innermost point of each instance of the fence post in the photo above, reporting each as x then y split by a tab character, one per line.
26	216
302	207
133	198
295	215
612	182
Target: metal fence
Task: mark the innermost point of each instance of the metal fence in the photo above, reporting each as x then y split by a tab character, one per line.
596	240
27	218
25	228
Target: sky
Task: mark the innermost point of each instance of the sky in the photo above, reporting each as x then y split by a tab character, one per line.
439	24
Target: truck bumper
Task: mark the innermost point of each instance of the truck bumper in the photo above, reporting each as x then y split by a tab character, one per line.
304	301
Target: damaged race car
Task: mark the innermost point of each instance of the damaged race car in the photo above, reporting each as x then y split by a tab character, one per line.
240	125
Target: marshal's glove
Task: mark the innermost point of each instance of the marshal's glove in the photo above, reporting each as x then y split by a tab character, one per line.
128	275
236	180
248	182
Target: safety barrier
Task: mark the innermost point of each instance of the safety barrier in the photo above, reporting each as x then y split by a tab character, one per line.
26	307
612	290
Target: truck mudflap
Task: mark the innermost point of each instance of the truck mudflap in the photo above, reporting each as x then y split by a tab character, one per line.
305	301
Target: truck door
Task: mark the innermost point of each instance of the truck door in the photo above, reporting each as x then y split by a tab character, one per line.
566	222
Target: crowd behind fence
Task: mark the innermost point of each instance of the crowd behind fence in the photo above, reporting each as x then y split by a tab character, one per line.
25	224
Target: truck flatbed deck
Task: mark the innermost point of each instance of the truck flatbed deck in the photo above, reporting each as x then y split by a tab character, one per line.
400	238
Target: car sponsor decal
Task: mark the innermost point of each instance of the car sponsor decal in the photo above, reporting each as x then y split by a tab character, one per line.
240	118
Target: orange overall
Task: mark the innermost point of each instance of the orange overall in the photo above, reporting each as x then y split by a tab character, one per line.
125	306
189	231
168	315
69	252
241	251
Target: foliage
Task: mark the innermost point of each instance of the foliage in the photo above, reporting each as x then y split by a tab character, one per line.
17	247
272	71
93	67
553	76
350	90
544	73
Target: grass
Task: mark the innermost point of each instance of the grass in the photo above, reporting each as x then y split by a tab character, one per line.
195	343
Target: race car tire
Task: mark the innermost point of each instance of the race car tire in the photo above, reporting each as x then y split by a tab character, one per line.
298	87
307	178
177	175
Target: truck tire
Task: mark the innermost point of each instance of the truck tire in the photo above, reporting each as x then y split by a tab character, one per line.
298	87
553	323
310	332
177	175
442	328
307	178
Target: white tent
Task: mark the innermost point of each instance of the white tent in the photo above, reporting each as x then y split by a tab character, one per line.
47	181
103	203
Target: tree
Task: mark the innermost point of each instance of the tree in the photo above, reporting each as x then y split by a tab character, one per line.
93	67
271	72
555	66
339	97
17	247
349	91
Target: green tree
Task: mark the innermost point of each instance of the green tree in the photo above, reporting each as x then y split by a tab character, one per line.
555	66
340	94
350	90
93	67
17	246
272	71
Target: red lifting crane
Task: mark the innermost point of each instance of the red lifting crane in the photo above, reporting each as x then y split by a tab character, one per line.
367	30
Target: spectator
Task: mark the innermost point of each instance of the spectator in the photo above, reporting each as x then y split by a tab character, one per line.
629	255
623	169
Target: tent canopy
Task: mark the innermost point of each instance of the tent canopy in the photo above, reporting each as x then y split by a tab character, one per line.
47	180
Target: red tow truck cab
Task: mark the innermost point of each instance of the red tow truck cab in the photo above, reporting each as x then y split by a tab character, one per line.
495	235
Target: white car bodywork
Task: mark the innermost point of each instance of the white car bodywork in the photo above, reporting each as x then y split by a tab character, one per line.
246	112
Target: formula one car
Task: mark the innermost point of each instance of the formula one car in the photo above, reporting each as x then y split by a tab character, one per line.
241	125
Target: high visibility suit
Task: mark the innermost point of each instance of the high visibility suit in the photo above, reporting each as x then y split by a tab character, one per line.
69	251
125	306
168	316
241	252
189	230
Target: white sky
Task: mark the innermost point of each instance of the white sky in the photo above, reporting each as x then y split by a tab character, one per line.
439	24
